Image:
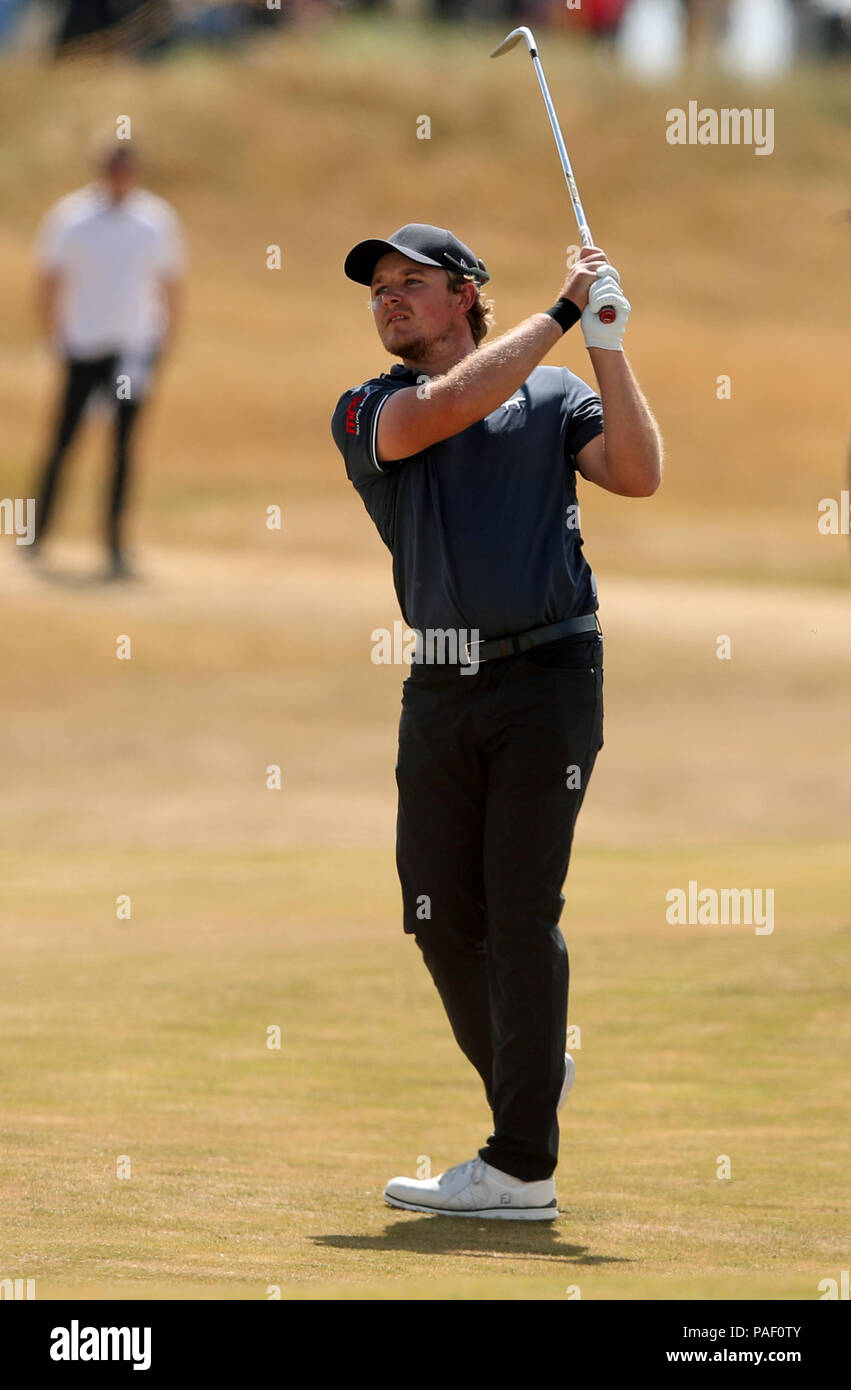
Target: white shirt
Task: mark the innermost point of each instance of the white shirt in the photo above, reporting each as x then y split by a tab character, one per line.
111	259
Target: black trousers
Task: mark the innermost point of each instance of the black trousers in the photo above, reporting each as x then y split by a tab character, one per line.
82	377
492	769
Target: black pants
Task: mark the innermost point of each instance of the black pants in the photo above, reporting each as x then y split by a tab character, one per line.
82	378
492	770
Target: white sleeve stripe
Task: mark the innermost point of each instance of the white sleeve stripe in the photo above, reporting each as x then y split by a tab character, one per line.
373	436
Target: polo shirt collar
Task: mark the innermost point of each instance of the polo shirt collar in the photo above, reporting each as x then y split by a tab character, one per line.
399	372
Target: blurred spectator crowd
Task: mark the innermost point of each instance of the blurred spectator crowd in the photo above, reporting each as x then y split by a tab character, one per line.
655	37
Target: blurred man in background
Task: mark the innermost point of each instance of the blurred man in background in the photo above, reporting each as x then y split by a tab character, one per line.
110	261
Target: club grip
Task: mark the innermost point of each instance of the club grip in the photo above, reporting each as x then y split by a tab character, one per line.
607	314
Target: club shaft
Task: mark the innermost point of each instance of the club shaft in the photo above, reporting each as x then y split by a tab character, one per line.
567	167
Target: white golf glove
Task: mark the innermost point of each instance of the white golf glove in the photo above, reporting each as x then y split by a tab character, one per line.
606	290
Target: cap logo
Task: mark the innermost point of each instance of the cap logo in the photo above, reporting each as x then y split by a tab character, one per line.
461	265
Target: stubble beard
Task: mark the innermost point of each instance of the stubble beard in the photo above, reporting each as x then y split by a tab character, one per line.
418	350
415	351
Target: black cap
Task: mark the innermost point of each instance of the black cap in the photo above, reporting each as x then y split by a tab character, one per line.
421	242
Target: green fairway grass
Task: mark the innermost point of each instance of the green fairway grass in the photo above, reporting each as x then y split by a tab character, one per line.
252	1168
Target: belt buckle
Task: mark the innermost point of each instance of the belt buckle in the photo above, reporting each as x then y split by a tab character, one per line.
477	642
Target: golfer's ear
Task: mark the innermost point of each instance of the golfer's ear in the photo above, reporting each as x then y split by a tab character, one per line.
469	291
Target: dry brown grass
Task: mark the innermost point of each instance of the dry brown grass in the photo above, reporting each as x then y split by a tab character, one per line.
734	263
244	660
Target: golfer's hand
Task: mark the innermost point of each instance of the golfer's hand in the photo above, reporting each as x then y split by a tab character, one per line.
606	293
582	275
593	285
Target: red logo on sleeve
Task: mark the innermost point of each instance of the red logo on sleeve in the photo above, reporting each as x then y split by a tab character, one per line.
353	412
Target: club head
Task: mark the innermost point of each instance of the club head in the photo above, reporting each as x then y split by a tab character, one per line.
514	38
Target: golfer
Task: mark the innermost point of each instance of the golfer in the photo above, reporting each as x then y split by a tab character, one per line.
466	459
110	258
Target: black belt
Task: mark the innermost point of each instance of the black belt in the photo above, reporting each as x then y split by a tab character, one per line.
535	637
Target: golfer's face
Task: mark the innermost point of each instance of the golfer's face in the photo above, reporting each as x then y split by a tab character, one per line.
411	303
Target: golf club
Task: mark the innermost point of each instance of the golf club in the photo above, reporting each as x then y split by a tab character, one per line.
607	314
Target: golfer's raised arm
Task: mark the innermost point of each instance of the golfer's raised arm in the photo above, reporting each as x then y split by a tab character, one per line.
419	417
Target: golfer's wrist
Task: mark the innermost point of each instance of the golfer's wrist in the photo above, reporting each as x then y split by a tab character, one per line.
565	313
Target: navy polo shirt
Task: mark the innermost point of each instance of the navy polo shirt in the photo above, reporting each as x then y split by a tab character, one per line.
483	526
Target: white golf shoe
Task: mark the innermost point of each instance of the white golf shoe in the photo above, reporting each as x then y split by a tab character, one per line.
569	1078
476	1189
